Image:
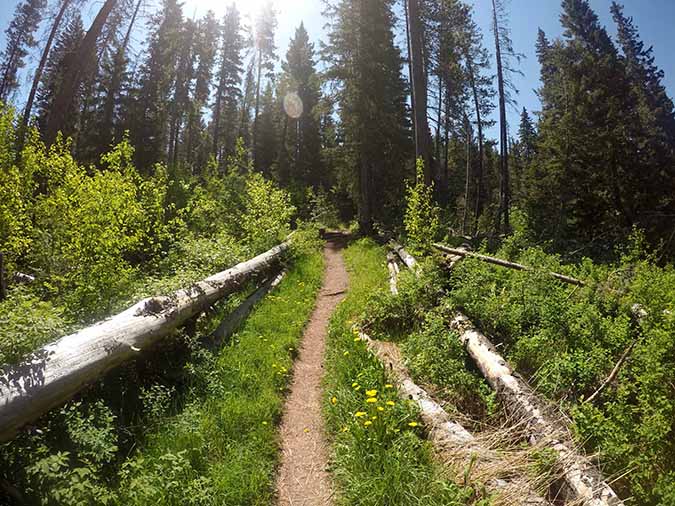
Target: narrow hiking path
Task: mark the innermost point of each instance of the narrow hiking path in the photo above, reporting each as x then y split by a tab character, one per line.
303	479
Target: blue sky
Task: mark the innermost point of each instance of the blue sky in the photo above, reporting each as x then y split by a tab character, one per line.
654	18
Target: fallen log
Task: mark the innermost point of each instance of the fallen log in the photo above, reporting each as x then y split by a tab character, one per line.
407	259
504	263
583	481
393	273
452	440
233	321
57	371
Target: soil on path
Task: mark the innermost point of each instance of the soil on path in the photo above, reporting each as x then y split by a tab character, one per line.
303	479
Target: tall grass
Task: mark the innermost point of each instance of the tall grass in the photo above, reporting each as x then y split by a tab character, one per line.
379	454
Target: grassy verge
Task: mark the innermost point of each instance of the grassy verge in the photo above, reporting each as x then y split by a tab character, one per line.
207	433
379	454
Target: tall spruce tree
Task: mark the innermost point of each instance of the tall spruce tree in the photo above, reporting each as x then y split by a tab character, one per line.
228	89
20	39
302	139
265	56
374	122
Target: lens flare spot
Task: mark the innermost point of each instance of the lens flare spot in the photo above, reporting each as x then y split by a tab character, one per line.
293	105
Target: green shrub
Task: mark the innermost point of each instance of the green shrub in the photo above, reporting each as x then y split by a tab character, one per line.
422	216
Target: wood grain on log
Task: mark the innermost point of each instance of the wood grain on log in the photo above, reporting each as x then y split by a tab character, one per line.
57	371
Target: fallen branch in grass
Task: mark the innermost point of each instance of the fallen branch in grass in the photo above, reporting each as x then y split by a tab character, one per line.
504	263
57	371
459	447
392	265
233	321
407	259
583	481
638	314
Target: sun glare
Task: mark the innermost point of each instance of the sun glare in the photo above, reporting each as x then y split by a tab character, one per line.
246	7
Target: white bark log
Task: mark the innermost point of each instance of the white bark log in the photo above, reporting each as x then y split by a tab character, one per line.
393	274
56	372
504	263
583	481
450	438
407	259
232	321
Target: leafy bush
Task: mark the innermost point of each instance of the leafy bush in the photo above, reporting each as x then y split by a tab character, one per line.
422	216
267	215
27	323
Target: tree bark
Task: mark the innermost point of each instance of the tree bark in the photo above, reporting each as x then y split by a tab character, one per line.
467	187
478	208
456	445
57	371
254	142
78	64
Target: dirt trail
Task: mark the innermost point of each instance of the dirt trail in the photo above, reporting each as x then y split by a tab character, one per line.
303	479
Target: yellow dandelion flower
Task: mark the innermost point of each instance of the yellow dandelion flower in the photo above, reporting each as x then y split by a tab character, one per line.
367	423
371	393
373	418
306	430
380	408
357	339
359	414
388	385
346	353
371	399
344	429
391	403
264	423
357	388
355	384
413	424
334	400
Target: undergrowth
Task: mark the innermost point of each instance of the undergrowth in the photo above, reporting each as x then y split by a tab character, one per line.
379	454
189	425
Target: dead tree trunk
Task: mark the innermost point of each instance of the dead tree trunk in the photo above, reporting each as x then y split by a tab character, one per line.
419	89
504	263
78	66
583	481
57	371
454	443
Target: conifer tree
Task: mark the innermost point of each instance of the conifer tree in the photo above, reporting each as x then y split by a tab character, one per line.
20	39
374	124
265	27
302	141
228	93
64	49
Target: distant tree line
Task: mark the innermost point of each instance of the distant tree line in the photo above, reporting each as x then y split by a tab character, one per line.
353	115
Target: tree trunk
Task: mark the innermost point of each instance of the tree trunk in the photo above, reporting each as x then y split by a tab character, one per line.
40	69
78	64
465	217
505	263
57	371
116	82
254	142
478	209
419	90
504	196
583	481
456	445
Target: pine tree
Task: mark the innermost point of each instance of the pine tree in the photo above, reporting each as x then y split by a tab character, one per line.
374	124
265	27
302	140
78	68
64	50
56	26
20	39
228	93
150	111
